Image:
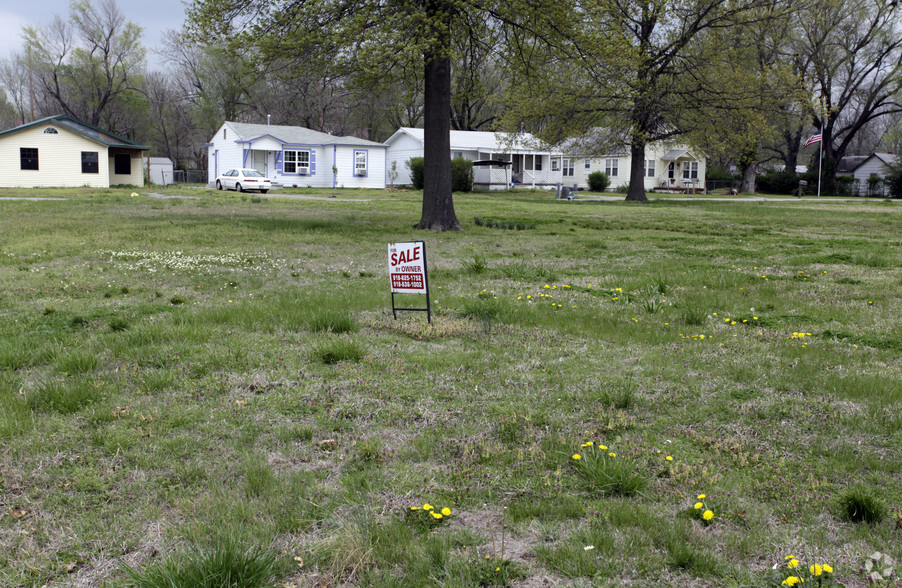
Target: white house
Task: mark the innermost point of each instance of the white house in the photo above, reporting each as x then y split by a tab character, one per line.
527	161
295	156
863	167
62	151
669	166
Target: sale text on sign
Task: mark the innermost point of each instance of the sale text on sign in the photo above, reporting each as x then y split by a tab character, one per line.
407	267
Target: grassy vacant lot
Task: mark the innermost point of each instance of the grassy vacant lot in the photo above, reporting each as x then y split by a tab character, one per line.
217	386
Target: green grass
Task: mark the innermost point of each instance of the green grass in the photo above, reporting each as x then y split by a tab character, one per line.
216	389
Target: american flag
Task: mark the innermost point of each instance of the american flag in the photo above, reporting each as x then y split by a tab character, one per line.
816	138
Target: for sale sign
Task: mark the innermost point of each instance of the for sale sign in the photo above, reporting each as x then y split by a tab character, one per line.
407	267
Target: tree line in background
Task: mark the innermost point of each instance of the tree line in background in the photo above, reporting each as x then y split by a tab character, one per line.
744	81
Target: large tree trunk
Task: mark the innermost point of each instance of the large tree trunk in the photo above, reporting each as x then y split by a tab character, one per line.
636	192
748	178
438	206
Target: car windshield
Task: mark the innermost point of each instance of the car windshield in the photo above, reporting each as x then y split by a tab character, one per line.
252	173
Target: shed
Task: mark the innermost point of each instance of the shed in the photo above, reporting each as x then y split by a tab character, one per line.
160	170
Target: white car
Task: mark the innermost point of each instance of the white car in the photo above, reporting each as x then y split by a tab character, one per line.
243	180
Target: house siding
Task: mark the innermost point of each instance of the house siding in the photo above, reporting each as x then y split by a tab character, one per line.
375	166
230	153
871	166
59	160
135	178
400	150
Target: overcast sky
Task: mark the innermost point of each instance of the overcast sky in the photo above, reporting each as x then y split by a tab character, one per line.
155	16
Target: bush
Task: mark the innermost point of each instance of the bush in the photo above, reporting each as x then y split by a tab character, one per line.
416	166
843	185
875	185
461	175
783	182
893	181
598	181
720	173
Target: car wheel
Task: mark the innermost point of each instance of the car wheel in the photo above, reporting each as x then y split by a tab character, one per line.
238	187
264	191
218	185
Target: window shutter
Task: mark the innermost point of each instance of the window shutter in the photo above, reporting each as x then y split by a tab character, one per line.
279	161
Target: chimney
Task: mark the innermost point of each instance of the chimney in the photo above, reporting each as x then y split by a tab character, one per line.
268	118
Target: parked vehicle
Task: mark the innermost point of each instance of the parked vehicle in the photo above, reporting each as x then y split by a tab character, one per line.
243	180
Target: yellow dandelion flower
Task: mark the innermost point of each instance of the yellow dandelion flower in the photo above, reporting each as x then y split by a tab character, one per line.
791	581
603	447
708	515
828	568
612	454
702	496
669	458
816	570
698	505
436	515
414	508
792	564
427	506
577	456
789	557
446	511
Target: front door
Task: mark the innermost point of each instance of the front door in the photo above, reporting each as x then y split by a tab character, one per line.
260	161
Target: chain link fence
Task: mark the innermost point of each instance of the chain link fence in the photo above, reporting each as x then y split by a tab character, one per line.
191	176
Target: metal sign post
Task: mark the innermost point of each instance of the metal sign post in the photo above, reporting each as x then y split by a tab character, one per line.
407	274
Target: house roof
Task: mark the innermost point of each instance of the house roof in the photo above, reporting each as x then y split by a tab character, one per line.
677	154
485	141
294	135
82	128
850	163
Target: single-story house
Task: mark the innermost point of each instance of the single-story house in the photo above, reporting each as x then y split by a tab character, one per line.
63	151
160	170
669	166
865	167
296	156
504	159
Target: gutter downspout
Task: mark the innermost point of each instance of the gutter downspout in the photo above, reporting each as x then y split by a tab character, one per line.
334	166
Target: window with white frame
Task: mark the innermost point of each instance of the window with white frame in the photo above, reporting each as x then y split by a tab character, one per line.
588	164
539	163
555	164
568	167
296	162
690	170
649	168
611	167
360	163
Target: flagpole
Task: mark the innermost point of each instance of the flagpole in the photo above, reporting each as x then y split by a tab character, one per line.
820	163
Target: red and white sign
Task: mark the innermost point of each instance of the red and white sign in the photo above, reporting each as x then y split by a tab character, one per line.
407	267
